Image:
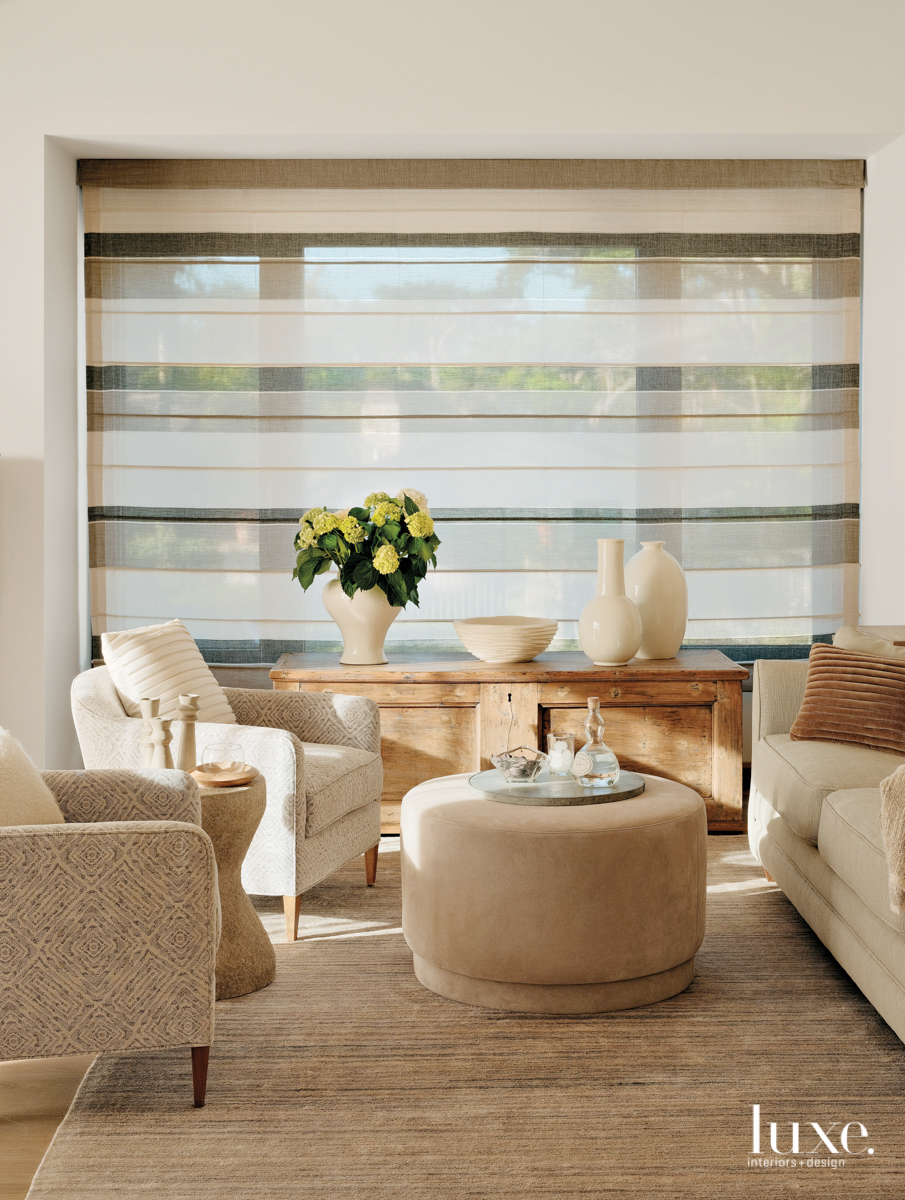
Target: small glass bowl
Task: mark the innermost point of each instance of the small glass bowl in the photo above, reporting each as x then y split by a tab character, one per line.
522	765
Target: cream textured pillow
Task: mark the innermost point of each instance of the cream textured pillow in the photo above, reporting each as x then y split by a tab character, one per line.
163	662
25	799
849	638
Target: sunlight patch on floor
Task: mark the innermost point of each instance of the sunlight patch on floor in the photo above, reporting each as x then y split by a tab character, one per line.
311	927
743	885
743	858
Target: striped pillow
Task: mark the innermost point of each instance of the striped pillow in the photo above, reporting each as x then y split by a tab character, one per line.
162	662
856	698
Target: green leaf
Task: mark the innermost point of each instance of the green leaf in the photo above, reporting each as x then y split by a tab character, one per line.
396	584
325	566
307	571
410	506
391	531
433	541
361	515
328	541
365	575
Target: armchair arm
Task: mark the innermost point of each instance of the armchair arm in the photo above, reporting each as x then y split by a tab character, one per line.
271	864
777	692
108	937
323	717
125	795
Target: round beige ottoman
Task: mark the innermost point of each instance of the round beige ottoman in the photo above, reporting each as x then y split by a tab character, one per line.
553	910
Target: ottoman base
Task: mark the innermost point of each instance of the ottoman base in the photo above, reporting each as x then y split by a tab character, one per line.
555	997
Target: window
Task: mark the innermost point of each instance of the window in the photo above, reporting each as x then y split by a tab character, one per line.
549	365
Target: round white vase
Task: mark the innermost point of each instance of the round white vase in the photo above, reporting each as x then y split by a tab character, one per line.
609	630
656	583
363	621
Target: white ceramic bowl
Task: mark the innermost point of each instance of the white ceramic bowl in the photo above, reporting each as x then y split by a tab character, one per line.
506	639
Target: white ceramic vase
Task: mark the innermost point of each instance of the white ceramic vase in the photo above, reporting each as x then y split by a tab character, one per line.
609	630
363	621
656	584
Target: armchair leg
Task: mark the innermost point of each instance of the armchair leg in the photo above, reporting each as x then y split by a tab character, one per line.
200	1055
371	865
292	906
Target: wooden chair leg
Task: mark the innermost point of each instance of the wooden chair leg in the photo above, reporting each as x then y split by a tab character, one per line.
200	1055
769	878
292	906
371	865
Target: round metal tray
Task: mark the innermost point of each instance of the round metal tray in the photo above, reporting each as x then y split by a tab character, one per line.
555	790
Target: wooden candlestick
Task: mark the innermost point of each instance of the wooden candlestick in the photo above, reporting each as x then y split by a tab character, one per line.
162	735
187	753
149	708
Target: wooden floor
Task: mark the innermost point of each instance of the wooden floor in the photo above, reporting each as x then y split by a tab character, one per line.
35	1095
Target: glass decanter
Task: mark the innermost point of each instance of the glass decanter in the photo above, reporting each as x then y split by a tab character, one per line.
595	764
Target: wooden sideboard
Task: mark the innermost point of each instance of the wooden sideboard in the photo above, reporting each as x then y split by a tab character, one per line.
680	718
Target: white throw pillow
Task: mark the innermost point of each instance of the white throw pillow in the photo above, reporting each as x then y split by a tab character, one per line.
162	662
25	799
857	642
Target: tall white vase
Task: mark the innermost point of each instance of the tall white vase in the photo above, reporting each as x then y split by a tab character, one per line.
609	630
363	621
656	583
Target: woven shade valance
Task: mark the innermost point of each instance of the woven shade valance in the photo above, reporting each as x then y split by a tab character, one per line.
656	173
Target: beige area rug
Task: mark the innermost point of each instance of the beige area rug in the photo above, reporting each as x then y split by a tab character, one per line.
346	1080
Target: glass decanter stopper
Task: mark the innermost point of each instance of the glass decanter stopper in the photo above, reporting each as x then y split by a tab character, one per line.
595	763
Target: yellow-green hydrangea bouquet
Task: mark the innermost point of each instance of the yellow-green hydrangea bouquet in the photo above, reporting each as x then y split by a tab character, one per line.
387	543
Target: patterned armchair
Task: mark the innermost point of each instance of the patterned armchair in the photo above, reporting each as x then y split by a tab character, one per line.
109	923
319	754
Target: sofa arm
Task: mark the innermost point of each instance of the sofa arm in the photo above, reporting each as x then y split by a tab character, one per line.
126	795
108	937
322	717
777	692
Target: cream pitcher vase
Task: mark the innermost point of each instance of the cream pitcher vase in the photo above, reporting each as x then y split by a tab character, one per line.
363	620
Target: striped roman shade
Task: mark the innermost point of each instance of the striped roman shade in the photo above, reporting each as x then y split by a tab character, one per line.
549	364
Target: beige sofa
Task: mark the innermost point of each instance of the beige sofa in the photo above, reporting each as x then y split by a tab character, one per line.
814	825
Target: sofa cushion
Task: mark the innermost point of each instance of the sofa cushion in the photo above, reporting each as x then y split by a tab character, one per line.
338	779
25	799
796	777
162	662
850	841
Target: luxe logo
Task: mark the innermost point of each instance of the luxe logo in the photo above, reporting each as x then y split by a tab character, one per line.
847	1137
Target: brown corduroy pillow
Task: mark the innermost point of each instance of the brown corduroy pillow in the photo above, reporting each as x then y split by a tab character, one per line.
856	698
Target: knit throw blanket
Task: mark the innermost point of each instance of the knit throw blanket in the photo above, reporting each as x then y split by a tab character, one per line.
892	823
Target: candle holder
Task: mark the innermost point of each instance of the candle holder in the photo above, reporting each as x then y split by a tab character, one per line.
561	751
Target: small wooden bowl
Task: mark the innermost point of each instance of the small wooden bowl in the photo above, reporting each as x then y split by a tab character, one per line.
224	778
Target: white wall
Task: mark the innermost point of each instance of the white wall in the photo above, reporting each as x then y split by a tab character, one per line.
345	78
